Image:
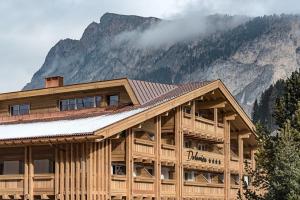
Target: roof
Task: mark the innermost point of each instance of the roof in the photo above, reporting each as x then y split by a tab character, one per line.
147	91
153	99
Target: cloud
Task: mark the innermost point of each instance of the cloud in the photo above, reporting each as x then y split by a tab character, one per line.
187	27
28	29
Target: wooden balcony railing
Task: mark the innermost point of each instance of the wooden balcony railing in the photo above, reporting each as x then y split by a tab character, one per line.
50	113
204	159
143	147
118	184
203	127
195	189
43	183
168	152
143	185
168	187
234	166
11	184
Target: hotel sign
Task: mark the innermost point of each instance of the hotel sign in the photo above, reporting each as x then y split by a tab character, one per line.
195	156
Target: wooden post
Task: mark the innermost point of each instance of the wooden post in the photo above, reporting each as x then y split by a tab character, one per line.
67	178
62	174
216	120
178	152
77	169
241	161
25	171
252	154
193	116
227	159
157	166
56	178
30	182
129	164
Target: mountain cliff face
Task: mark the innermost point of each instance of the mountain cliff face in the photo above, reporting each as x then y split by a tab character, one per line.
247	54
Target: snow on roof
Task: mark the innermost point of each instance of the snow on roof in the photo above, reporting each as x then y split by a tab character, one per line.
63	127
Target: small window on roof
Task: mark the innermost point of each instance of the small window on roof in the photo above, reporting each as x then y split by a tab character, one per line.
113	100
21	109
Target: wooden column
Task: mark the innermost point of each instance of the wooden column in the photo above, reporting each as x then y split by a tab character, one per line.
227	159
178	152
129	162
157	166
193	115
30	172
227	177
56	176
241	161
26	172
216	120
252	153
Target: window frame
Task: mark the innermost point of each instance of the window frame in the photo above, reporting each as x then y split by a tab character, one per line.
19	106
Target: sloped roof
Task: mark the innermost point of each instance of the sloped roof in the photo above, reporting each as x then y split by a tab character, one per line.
150	96
147	91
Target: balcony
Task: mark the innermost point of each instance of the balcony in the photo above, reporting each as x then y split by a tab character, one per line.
11	184
118	150
168	187
143	185
142	147
50	114
168	152
118	184
202	128
204	190
203	160
43	183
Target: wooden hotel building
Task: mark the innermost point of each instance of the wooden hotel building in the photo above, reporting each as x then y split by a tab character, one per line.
124	139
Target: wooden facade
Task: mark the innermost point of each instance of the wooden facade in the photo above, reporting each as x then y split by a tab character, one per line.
192	146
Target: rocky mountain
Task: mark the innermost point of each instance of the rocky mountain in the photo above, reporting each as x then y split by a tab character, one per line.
247	54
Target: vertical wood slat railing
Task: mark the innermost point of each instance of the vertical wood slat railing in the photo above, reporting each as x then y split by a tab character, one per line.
203	126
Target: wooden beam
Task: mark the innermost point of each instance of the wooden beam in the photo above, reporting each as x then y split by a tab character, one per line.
220	103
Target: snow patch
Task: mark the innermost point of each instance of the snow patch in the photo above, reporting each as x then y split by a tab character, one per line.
63	127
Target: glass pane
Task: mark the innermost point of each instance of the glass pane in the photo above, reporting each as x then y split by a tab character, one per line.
79	103
11	167
72	104
64	105
24	109
88	102
43	166
98	101
113	100
14	110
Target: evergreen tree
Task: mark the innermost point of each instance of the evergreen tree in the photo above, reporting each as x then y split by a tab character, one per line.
278	159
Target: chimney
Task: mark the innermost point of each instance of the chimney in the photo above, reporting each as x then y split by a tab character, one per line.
55	81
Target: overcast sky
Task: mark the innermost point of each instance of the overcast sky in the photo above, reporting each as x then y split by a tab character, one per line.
29	28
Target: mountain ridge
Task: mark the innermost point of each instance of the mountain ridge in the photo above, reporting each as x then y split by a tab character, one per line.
247	54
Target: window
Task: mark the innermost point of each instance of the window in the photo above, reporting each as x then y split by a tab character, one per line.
89	102
118	169
246	180
43	159
8	167
43	166
98	101
113	100
207	176
80	103
189	176
188	144
166	173
202	147
22	109
64	105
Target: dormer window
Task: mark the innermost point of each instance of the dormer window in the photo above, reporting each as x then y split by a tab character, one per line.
113	100
20	109
80	103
